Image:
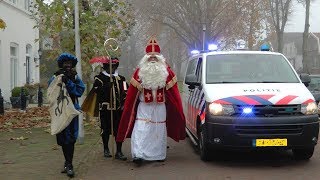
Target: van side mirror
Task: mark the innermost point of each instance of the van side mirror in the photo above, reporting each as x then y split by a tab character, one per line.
305	78
192	81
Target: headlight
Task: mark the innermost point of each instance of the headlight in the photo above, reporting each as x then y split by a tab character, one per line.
309	109
220	109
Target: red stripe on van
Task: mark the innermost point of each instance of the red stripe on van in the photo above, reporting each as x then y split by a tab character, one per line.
308	101
247	100
286	100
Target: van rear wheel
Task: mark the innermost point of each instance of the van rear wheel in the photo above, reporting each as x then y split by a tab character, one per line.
303	154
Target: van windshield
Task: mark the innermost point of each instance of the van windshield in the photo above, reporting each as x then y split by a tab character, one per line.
249	68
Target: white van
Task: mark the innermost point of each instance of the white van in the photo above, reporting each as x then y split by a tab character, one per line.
248	99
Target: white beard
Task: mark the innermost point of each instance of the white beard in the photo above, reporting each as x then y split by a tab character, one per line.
153	75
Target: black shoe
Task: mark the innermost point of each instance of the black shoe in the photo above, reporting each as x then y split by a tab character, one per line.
70	171
64	170
106	153
137	161
120	156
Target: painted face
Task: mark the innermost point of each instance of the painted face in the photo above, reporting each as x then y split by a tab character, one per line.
114	67
67	65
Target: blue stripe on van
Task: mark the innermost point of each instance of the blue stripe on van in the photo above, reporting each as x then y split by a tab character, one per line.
260	100
234	101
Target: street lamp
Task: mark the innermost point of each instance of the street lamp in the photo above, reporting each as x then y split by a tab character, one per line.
204	28
40	93
40	52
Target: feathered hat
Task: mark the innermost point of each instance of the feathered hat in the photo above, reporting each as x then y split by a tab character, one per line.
67	57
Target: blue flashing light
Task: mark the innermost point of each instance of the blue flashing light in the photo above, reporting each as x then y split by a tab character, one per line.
212	47
247	110
265	47
195	52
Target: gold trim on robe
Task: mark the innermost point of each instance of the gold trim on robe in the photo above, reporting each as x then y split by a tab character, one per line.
171	83
136	84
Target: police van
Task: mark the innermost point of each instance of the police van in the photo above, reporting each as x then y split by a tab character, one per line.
248	99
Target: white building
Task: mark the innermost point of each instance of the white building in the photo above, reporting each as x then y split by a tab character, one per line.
19	59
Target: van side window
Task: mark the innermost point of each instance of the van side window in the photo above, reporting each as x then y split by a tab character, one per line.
199	69
183	69
192	65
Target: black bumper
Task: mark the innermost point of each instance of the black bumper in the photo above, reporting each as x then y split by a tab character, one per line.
241	132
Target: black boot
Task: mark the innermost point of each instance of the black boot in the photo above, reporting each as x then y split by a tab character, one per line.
70	171
106	153
66	157
137	161
68	151
119	155
105	140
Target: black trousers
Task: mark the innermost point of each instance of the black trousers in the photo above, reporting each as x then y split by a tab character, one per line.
105	118
68	151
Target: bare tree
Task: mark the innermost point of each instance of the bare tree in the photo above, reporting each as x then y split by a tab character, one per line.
280	10
188	19
305	37
252	26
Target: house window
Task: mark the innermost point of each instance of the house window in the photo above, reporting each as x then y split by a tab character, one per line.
316	62
13	65
0	56
13	1
27	5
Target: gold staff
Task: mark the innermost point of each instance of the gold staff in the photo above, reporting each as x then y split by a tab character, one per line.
111	44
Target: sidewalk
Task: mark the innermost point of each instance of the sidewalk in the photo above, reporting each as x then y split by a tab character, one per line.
32	153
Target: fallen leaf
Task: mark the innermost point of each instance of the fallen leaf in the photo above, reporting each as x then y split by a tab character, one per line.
33	142
47	130
8	123
55	147
8	162
22	138
23	144
19	138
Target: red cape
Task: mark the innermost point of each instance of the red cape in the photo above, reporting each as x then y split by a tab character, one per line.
175	120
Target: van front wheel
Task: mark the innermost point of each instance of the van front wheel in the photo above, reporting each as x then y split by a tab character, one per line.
303	154
203	146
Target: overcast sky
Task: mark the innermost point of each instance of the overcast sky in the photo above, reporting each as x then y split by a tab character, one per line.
296	21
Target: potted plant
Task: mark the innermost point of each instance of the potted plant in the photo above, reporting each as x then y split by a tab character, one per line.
32	91
15	96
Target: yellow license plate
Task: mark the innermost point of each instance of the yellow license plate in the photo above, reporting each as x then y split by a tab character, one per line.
270	142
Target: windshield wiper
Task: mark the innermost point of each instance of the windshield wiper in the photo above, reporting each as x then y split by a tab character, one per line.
271	82
222	82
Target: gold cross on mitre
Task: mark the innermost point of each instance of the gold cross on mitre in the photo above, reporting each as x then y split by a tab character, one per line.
153	46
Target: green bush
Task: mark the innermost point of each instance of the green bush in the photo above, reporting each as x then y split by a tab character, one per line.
15	92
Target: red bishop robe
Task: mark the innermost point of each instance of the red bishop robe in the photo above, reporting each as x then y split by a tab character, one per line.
175	120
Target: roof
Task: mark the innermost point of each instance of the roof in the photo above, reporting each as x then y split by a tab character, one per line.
314	75
235	52
242	52
294	37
